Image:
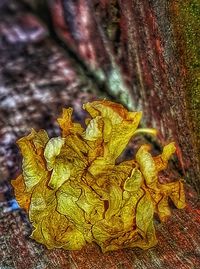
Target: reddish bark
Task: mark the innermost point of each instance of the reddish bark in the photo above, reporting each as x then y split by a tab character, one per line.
158	81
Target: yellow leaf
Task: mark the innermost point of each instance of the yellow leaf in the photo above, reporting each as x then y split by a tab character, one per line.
115	200
163	209
175	191
66	124
74	240
52	150
60	173
120	125
133	183
75	192
43	199
93	130
58	232
66	195
33	164
148	241
162	160
40	138
99	165
144	213
147	165
89	201
23	197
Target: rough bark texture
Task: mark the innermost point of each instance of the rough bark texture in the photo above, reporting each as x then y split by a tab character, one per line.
187	32
140	66
158	78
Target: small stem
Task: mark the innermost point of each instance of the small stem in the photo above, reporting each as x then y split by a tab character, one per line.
150	131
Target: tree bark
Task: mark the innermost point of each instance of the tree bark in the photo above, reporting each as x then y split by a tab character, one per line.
159	84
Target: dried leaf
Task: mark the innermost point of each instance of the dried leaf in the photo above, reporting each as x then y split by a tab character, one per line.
33	165
52	150
75	193
133	183
66	124
60	173
147	165
23	197
144	213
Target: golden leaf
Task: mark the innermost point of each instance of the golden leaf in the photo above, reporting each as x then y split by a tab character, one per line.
133	183
119	126
23	197
33	164
66	124
75	193
144	213
162	160
52	150
147	165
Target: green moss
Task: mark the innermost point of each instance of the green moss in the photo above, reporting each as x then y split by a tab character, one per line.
188	26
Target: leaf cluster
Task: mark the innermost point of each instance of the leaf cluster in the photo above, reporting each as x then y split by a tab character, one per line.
75	193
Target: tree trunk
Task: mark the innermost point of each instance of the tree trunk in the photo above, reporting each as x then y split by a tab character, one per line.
160	77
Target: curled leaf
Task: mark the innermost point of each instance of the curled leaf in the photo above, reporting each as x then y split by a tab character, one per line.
147	165
133	183
52	150
33	165
23	197
75	193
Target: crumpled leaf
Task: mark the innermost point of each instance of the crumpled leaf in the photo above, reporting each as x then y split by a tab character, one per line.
33	165
133	183
52	150
23	197
114	202
115	121
66	124
162	160
144	220
75	193
147	165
